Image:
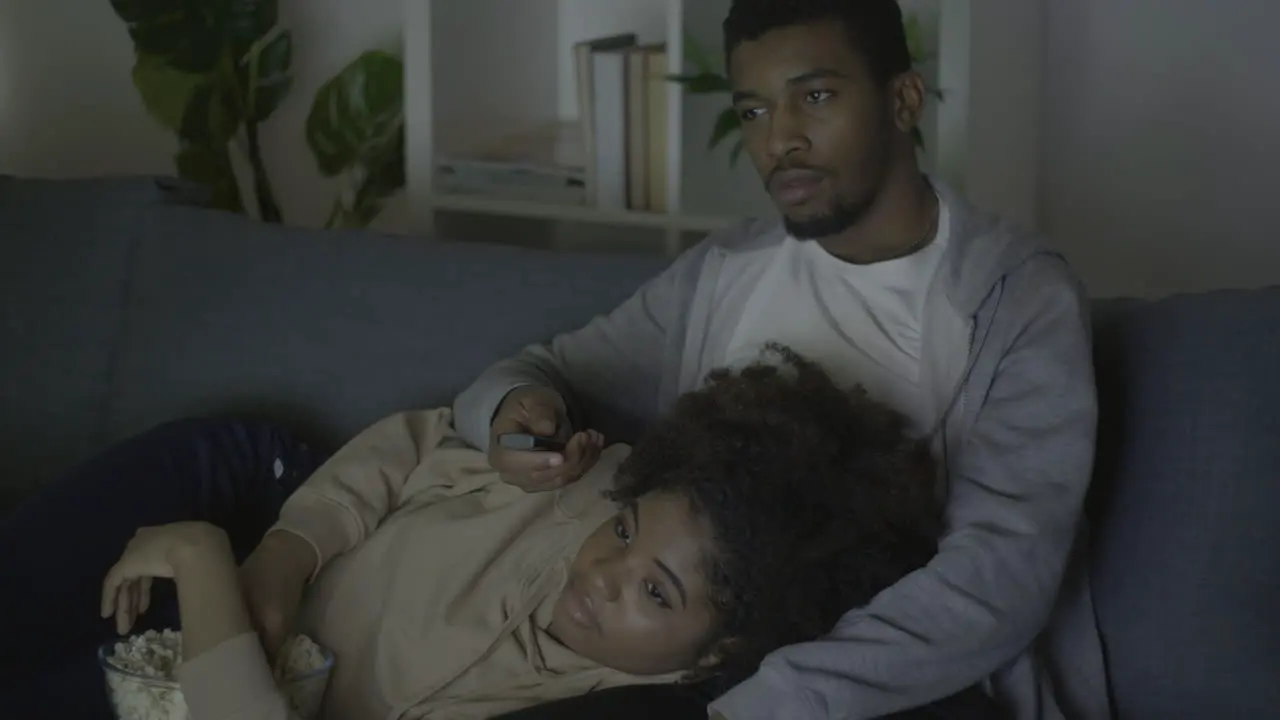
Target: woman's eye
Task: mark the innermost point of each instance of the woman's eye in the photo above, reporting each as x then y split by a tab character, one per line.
817	96
620	530
655	592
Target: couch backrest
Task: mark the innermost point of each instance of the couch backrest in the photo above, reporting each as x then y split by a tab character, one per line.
1186	571
125	308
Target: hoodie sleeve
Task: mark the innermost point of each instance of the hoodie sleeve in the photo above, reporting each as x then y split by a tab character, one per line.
346	499
1017	487
233	682
611	367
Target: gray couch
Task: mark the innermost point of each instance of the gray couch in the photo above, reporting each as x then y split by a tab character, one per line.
122	305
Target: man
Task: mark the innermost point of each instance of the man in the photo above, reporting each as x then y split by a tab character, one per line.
885	276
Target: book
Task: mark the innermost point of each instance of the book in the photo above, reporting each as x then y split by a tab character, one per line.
602	115
542	164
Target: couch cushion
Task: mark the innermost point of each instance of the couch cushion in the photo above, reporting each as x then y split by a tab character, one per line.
331	331
1186	575
64	254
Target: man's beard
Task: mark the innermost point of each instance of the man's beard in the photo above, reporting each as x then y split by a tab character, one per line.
844	213
842	216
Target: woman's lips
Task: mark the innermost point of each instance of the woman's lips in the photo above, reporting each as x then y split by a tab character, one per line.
579	608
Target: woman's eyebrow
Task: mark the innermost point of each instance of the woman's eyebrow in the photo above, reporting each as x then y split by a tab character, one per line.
634	507
675	580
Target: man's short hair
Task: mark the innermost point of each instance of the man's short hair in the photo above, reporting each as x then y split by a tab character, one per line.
874	28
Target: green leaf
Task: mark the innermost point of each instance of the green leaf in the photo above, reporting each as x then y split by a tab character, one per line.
358	114
165	91
726	123
384	178
915	37
270	80
210	166
186	34
697	56
247	22
210	117
703	83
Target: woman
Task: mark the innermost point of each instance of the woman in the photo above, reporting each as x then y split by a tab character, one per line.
752	516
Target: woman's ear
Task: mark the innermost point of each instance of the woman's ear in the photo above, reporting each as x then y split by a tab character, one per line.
715	655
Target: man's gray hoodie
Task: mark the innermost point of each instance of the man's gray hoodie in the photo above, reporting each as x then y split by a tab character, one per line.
1007	362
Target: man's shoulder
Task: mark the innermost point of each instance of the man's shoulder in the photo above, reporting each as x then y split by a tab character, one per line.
988	249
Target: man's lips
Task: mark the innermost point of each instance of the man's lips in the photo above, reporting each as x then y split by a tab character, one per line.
794	187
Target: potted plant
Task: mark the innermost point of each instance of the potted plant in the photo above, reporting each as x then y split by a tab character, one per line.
212	71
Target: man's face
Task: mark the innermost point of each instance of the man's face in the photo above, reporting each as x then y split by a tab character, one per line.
637	595
817	127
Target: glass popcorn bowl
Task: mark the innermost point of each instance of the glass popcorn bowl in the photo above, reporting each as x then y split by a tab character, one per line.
138	672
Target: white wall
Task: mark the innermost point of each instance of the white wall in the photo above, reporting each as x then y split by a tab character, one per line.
1161	145
68	107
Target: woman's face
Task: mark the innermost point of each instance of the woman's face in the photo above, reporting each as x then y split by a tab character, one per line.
637	595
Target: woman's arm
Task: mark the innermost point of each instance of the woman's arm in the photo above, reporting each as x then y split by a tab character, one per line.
210	602
224	674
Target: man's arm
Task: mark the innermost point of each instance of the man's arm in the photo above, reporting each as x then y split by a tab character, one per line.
613	363
1017	488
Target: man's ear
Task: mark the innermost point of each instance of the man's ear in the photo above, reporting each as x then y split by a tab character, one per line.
907	95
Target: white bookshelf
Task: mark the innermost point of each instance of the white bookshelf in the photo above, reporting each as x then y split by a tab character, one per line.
478	70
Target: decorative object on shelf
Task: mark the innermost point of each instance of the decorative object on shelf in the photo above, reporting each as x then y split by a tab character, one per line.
212	71
356	132
707	79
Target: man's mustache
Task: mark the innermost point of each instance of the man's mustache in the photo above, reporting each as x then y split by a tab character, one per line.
792	169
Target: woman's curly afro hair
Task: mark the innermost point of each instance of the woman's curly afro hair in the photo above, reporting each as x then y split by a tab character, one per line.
817	498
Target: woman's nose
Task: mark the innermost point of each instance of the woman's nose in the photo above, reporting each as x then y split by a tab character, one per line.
606	582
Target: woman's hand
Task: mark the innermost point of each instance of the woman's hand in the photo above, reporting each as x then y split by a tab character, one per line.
164	551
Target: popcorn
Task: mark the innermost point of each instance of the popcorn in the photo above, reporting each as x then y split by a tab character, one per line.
140	676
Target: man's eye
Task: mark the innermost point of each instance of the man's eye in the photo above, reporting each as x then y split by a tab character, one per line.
655	593
749	115
817	96
620	530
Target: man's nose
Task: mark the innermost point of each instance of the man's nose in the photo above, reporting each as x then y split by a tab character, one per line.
786	133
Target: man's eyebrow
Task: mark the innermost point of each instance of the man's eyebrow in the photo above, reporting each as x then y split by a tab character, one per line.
802	78
675	580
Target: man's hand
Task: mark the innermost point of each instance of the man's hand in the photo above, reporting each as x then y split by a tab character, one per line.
274	577
540	411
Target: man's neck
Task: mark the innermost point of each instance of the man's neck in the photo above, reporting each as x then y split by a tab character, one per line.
902	221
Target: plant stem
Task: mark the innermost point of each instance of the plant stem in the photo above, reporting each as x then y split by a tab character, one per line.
268	209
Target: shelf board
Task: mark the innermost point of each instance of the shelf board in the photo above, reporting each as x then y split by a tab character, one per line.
578	213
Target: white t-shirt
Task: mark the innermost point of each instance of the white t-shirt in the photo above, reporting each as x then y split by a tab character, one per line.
861	322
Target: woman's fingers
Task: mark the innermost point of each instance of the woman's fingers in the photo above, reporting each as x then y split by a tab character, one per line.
144	595
111	591
124	607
